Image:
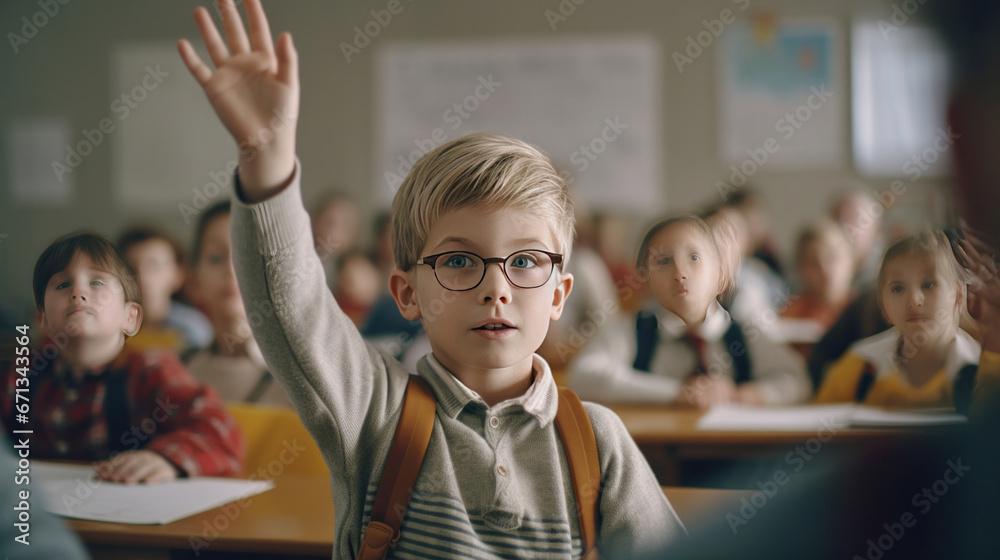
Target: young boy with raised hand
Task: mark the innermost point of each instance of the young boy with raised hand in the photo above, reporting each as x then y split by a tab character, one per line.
495	480
140	414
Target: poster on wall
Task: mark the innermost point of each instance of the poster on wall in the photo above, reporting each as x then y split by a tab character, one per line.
781	95
591	104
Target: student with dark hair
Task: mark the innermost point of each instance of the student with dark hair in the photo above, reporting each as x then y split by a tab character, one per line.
92	396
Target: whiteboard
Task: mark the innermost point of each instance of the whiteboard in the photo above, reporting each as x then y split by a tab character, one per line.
591	104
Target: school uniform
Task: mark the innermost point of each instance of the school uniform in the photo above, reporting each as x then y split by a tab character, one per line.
647	359
494	481
141	400
870	373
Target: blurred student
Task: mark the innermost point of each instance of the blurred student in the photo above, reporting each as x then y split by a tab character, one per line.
688	351
860	215
232	364
382	253
92	398
760	294
759	231
357	285
594	304
925	359
825	262
159	261
336	229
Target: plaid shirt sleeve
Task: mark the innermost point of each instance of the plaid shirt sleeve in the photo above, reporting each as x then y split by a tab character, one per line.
193	430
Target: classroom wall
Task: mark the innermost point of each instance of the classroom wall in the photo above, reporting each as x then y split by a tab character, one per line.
64	71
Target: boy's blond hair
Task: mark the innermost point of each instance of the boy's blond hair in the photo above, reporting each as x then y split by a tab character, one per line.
487	170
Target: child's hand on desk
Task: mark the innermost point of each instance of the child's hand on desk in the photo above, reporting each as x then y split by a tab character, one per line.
984	290
138	466
254	90
749	393
703	391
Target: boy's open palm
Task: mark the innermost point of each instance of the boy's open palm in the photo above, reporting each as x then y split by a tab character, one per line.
254	91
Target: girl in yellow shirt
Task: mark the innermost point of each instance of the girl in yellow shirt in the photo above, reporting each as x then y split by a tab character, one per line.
925	359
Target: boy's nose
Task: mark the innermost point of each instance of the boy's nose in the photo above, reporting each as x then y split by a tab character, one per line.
916	299
495	285
679	273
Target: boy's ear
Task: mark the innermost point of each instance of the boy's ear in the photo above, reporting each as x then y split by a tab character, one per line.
40	321
403	290
133	318
563	288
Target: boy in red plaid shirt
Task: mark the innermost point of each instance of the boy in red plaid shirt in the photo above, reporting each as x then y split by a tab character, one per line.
141	415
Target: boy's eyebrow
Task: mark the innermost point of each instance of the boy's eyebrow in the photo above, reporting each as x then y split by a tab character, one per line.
469	243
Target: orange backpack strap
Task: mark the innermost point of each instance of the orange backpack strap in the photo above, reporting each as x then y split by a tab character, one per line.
580	444
413	434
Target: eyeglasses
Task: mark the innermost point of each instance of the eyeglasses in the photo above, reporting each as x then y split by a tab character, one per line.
460	271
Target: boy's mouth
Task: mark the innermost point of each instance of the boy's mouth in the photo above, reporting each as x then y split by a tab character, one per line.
495	325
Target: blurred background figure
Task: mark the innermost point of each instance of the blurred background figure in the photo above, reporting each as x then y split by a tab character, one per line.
612	240
763	247
336	229
232	363
357	285
593	303
825	268
159	261
761	294
853	210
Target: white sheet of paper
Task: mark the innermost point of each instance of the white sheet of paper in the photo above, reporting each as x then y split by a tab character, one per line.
775	419
73	491
740	418
864	416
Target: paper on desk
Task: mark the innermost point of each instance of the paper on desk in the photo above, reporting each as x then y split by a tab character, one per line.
815	417
73	491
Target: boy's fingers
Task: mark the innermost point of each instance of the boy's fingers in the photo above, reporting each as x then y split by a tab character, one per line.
210	35
288	60
238	43
260	31
193	62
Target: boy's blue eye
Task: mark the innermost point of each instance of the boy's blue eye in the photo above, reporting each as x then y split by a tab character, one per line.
664	261
695	258
896	289
523	260
62	285
458	261
97	283
928	285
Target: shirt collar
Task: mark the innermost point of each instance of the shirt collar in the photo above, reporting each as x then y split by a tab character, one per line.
540	400
716	323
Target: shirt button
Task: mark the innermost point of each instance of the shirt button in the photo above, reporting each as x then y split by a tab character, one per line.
494	422
501	470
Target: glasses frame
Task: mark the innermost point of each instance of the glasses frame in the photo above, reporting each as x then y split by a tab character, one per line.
431	261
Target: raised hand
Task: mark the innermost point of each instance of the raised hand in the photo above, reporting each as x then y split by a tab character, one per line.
254	91
984	290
